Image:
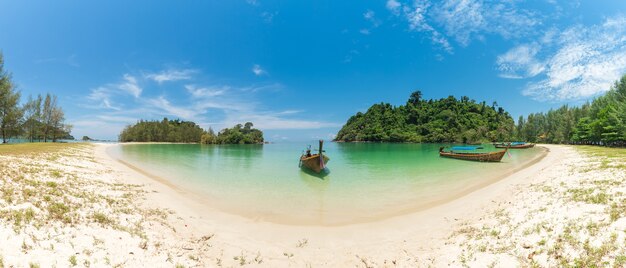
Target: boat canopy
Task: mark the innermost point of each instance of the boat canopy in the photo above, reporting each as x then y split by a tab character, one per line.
464	148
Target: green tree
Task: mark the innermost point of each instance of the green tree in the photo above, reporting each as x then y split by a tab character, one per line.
10	113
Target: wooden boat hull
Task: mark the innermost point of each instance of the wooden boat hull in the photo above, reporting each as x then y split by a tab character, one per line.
313	162
480	157
519	146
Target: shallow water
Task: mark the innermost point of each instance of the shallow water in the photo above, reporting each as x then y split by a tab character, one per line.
364	181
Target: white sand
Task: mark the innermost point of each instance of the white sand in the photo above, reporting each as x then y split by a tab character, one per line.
489	226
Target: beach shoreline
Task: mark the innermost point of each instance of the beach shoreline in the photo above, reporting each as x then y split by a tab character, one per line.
153	224
486	179
425	225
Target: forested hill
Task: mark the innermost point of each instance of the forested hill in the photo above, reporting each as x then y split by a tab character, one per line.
443	120
189	132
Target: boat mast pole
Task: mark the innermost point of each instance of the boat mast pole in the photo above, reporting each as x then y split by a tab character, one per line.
321	155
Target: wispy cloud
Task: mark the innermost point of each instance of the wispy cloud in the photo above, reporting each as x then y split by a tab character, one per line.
130	85
164	104
70	60
211	105
171	75
102	96
257	70
520	62
275	120
393	6
204	92
464	20
268	17
579	62
370	16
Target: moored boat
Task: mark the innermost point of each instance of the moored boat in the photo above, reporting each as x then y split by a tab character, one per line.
481	157
515	145
315	162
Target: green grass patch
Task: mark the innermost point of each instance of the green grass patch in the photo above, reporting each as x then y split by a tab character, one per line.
603	151
102	218
56	174
610	157
35	148
589	196
58	210
73	261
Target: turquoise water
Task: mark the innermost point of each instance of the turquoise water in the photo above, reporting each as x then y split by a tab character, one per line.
364	182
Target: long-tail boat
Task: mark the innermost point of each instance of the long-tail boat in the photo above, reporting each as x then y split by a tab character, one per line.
315	162
473	156
515	145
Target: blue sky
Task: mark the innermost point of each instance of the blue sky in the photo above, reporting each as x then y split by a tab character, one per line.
300	69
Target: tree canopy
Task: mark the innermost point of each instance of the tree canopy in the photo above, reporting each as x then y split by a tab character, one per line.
37	119
188	132
238	134
444	120
603	121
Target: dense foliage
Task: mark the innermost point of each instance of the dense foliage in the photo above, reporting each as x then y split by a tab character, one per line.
40	119
237	135
188	132
602	121
444	120
162	131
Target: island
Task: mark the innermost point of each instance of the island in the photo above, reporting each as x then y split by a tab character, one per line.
179	131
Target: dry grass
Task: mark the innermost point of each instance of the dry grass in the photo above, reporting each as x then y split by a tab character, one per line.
47	190
20	149
569	223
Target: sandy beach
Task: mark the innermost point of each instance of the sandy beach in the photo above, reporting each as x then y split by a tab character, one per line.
74	205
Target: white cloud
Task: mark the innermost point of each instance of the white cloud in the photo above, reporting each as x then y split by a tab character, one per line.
130	85
364	31
268	17
257	70
393	5
163	104
102	96
271	120
464	20
206	91
416	16
171	75
216	105
520	62
369	15
581	62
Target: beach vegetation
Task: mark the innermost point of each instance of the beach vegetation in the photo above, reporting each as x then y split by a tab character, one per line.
258	259
302	243
58	210
101	218
241	258
73	261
